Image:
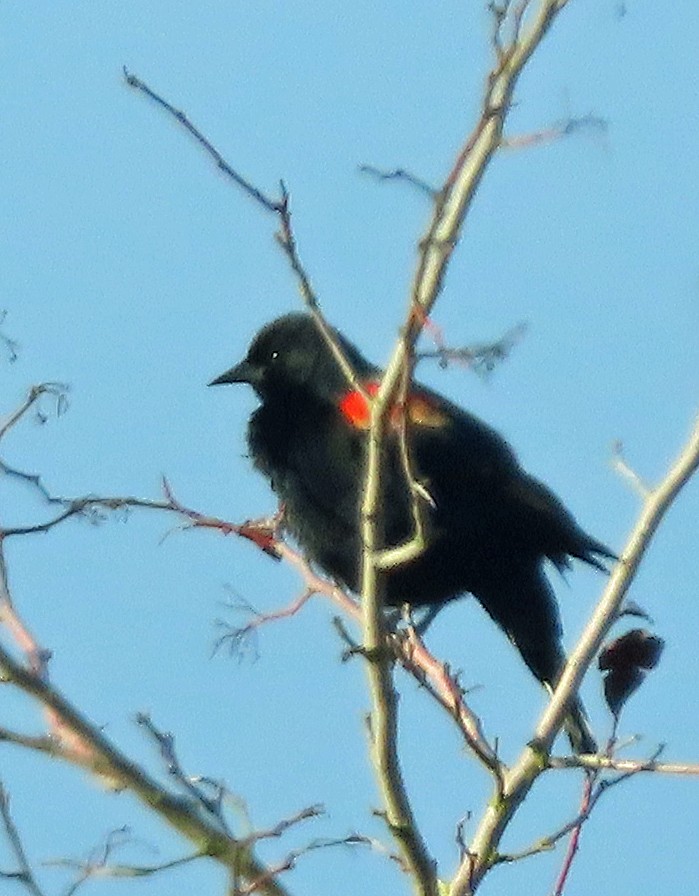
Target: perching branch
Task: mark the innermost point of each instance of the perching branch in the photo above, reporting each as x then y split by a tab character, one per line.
266	535
451	206
515	38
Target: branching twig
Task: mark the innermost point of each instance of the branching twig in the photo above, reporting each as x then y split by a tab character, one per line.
24	874
482	358
236	637
280	207
534	759
623	468
566	128
591	796
100	756
87	506
402	175
166	744
11	345
57	390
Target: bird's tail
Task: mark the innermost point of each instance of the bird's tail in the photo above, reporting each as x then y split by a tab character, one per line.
577	727
524	606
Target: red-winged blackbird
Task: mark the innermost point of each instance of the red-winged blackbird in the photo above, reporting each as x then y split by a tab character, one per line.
491	526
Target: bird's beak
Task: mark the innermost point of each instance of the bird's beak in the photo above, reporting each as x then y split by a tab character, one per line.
241	373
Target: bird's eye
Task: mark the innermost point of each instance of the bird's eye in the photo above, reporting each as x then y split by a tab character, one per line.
274	356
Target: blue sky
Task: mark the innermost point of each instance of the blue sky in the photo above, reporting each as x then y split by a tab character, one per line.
135	273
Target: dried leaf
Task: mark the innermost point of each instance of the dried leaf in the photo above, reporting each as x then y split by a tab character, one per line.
624	661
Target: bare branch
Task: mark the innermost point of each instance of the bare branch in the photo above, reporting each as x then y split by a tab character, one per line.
519	780
270	205
451	206
24	875
399	174
87	507
614	763
592	793
446	689
482	357
656	505
384	714
621	465
11	346
56	390
166	744
100	756
566	128
455	198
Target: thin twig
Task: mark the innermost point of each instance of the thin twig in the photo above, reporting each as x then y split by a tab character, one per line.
624	469
25	874
401	174
270	204
565	128
57	390
166	744
11	345
281	207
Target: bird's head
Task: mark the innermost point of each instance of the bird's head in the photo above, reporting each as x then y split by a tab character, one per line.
291	354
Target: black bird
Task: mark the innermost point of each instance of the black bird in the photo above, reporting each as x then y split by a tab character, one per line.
491	525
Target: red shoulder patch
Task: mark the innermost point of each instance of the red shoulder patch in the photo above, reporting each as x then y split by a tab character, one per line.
355	408
422	409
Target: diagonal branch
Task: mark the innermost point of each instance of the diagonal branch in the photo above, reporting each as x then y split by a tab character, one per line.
100	756
654	509
534	760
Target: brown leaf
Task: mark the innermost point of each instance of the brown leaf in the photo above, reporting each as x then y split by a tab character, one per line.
624	661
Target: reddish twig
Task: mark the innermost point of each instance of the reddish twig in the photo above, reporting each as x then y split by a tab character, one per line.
574	842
